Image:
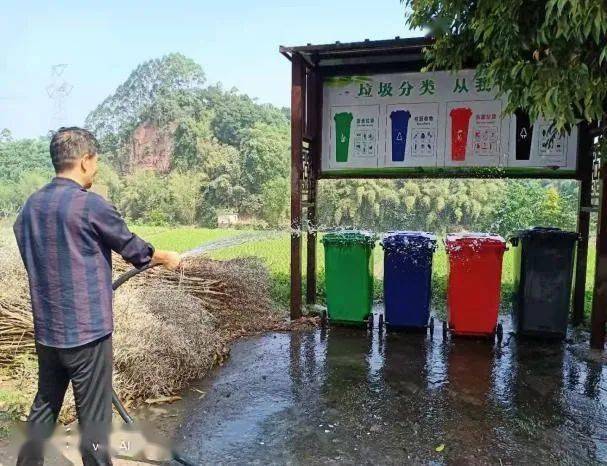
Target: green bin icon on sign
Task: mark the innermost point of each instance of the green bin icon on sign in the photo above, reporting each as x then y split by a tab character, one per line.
343	121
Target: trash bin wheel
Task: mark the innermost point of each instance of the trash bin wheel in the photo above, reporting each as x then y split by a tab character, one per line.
499	332
381	322
445	328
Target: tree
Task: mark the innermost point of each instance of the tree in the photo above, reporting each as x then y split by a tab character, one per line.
224	191
265	154
433	205
518	207
217	159
109	178
549	57
24	155
145	198
275	201
13	194
185	193
29	183
556	209
189	134
234	112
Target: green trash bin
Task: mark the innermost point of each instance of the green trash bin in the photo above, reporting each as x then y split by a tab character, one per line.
349	276
543	274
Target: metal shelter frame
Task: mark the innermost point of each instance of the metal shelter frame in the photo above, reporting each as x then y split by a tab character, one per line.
312	64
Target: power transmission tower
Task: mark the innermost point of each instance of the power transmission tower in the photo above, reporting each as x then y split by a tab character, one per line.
58	91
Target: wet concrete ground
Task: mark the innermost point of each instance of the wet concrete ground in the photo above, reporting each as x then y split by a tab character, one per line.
347	395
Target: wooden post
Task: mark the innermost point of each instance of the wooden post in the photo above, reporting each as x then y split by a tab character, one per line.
599	299
583	223
315	112
311	249
297	129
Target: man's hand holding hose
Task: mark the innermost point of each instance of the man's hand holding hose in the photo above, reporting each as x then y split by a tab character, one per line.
168	259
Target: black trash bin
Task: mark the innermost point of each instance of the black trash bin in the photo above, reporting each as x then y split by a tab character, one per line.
543	275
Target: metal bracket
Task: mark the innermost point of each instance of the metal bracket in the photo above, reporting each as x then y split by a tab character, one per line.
595	184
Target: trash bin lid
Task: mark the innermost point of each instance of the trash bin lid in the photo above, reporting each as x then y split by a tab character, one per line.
475	241
404	238
343	237
546	233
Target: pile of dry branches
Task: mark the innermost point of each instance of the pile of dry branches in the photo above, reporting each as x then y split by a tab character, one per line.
236	292
164	339
16	323
170	327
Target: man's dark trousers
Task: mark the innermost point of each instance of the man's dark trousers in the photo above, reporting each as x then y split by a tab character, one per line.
89	367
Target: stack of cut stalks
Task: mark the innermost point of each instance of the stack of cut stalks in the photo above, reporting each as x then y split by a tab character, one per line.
235	292
16	323
16	333
170	327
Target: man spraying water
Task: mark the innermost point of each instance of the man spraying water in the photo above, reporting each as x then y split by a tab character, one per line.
66	235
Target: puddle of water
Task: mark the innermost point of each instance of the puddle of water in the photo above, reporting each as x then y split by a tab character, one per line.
348	395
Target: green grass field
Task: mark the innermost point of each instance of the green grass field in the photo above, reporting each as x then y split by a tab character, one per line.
182	239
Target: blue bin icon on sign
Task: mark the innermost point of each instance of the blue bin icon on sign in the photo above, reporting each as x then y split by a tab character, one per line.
400	125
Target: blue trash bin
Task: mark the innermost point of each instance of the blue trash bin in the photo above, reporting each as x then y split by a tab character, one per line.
408	278
400	126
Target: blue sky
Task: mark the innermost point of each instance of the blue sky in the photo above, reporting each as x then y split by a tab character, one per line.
236	42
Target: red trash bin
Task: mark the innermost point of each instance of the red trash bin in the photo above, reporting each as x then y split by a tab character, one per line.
475	274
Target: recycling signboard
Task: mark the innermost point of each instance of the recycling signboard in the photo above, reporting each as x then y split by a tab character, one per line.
440	120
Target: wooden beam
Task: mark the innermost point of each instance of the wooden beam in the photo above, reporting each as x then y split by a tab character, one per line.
583	223
443	173
297	130
311	249
599	300
368	47
314	106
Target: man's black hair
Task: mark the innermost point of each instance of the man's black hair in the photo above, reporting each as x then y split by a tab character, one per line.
69	145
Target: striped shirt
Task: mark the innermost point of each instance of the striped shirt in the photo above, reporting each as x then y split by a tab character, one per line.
66	235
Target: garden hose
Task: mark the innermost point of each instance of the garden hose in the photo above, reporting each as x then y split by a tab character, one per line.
121	280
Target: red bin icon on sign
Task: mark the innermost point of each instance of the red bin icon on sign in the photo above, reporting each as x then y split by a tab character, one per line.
460	121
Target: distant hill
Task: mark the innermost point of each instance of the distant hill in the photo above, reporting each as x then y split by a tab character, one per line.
164	108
